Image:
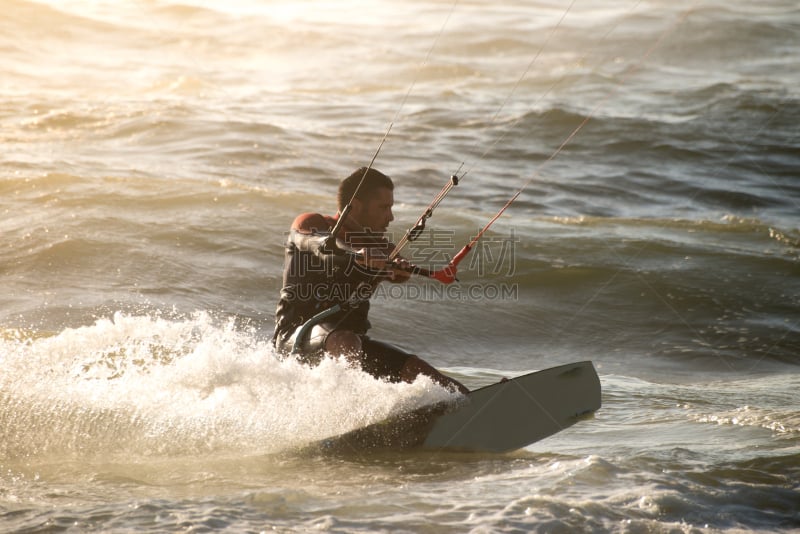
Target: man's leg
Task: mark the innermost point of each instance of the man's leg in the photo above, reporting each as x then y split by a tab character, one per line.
325	339
386	361
344	343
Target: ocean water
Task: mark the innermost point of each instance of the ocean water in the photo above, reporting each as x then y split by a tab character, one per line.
155	153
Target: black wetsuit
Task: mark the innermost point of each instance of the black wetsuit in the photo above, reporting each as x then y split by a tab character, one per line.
314	279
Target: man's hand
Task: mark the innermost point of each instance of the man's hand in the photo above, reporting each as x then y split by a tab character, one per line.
401	271
397	271
372	258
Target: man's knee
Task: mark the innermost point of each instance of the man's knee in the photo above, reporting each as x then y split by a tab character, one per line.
416	366
343	342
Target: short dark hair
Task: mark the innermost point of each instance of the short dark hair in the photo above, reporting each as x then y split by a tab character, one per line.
373	180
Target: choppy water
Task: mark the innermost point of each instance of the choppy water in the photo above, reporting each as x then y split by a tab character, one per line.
154	154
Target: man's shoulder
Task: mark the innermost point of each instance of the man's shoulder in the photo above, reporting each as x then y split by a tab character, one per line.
313	223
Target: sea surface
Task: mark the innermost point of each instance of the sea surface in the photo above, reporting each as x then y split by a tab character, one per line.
154	154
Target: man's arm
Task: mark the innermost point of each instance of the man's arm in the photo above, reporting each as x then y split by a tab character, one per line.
312	223
310	233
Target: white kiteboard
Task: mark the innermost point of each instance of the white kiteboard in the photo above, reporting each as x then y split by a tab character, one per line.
498	418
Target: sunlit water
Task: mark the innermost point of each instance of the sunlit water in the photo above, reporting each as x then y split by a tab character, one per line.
154	154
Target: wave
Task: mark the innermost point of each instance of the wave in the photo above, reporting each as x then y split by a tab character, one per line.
711	32
157	386
680	114
649	284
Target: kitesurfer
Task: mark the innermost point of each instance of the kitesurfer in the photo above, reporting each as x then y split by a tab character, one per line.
319	274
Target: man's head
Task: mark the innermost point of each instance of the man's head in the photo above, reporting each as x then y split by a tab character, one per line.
373	201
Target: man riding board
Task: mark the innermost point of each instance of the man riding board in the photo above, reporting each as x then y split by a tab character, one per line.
317	276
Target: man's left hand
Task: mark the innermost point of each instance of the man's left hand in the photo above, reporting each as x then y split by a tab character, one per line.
400	270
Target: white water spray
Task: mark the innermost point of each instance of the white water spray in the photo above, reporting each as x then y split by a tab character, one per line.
145	385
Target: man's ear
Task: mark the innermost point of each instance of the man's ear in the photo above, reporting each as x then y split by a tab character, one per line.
356	209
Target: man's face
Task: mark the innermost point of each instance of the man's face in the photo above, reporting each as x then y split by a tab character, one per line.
375	212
